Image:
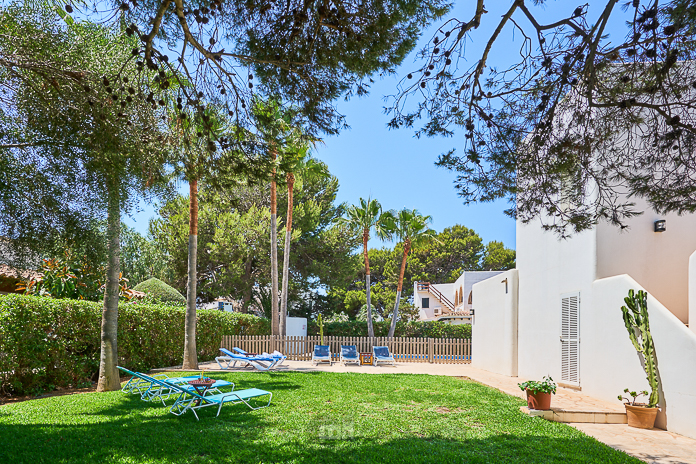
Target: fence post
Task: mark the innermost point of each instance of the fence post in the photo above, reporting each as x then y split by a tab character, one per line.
430	350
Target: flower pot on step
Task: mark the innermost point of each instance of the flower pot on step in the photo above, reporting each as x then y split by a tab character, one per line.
641	417
538	400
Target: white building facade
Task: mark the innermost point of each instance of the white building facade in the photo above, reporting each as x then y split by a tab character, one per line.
560	314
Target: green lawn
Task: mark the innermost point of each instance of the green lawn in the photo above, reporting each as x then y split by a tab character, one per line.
314	417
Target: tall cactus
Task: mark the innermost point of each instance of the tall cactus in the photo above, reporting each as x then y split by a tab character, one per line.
320	322
635	318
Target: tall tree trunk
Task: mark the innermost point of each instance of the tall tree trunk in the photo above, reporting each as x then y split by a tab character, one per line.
108	359
249	283
190	354
275	328
370	328
407	248
286	257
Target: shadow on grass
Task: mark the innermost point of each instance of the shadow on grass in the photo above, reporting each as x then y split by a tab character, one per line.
134	431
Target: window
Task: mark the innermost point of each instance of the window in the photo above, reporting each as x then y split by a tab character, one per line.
425	303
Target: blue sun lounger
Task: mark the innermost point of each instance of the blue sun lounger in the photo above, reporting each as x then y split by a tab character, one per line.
275	354
349	354
322	353
382	356
137	384
190	399
158	388
259	362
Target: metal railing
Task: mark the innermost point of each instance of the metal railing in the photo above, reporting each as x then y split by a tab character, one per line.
427	287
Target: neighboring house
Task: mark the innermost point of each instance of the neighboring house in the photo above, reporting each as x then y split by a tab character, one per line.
12	271
223	304
449	303
10	277
559	313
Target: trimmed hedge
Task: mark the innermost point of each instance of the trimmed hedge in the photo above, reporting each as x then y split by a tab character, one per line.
161	291
432	329
47	343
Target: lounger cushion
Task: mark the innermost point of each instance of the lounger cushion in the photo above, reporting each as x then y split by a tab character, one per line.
382	352
321	351
241	394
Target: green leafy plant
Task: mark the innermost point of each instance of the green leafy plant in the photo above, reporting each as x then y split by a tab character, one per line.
158	291
635	316
633	397
72	278
547	385
47	342
417	329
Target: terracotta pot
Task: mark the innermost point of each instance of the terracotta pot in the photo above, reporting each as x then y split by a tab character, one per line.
641	417
538	400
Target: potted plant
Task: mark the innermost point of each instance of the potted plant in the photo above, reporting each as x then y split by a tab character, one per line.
539	393
638	414
635	316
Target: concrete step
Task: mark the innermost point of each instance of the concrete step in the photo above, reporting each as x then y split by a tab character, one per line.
588	416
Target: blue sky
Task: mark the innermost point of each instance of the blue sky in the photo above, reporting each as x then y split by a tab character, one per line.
398	169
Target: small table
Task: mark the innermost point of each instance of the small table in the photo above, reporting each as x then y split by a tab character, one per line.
201	385
366	359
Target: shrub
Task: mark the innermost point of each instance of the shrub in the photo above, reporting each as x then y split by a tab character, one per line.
47	343
160	291
432	329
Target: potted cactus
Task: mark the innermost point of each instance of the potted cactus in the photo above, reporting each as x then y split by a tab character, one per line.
539	393
635	316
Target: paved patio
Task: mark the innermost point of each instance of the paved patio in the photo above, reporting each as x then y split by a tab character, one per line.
653	446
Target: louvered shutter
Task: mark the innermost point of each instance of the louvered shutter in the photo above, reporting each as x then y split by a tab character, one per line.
570	338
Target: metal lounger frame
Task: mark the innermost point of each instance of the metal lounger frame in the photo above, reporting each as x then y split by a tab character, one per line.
196	401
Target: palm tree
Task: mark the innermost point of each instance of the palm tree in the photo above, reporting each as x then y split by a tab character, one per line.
302	167
197	155
410	227
366	217
277	132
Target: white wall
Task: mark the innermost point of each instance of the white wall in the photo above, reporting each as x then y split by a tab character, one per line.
494	327
615	364
296	326
466	282
659	261
692	292
549	267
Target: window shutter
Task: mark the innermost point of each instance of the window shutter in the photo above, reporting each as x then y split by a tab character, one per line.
570	338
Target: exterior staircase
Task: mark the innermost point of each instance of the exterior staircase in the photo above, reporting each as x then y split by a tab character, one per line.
427	287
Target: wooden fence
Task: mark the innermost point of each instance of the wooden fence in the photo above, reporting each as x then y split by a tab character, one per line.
404	349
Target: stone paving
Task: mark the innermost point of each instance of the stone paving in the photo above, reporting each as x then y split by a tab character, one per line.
653	446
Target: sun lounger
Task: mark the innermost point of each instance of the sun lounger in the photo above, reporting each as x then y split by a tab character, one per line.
349	354
275	354
137	384
322	353
157	387
191	400
262	362
381	355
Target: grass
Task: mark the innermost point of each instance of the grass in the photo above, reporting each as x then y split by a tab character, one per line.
314	417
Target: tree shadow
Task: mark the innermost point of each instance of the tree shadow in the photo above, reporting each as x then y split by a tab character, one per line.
134	431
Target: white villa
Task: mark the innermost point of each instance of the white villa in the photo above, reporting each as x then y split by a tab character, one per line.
559	312
449	303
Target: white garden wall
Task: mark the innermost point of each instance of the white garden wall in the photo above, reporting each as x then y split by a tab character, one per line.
612	364
494	326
